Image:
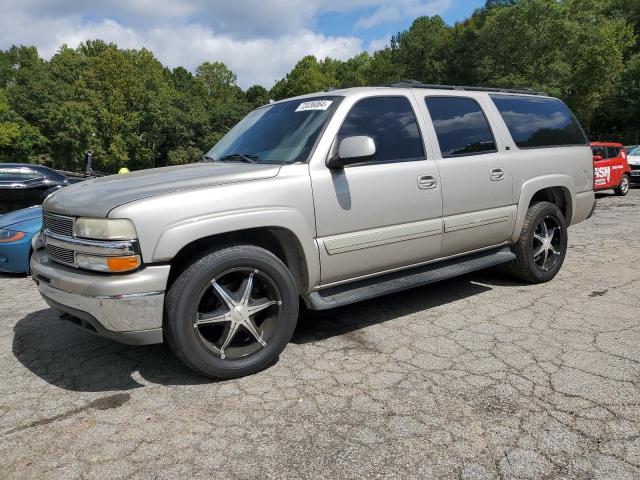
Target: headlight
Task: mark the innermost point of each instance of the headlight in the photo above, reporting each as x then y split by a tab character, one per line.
105	229
107	264
7	236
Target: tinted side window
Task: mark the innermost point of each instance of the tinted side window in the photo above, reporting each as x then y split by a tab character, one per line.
391	123
461	126
18	174
539	122
613	152
600	151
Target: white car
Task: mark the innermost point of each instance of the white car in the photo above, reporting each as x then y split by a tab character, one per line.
633	158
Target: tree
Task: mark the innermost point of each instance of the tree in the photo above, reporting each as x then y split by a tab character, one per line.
129	109
216	78
309	75
19	141
423	52
257	96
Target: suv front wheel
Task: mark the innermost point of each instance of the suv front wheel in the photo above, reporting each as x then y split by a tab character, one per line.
542	245
232	312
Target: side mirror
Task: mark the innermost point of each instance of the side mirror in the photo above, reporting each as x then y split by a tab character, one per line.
353	150
597	158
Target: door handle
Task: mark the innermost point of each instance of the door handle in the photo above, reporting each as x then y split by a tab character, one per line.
427	181
496	174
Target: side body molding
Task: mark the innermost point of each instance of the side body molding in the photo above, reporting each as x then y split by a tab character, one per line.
529	189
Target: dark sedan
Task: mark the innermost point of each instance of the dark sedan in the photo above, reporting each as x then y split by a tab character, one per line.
23	185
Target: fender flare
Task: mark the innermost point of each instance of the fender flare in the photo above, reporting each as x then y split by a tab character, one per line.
534	185
182	233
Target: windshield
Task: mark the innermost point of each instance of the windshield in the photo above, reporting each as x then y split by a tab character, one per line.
635	152
280	133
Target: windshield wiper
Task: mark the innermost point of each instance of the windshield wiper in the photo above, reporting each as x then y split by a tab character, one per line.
207	158
249	158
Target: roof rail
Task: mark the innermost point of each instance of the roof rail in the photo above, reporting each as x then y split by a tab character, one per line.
417	84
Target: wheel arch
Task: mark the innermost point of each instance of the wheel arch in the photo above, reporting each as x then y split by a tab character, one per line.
557	189
283	243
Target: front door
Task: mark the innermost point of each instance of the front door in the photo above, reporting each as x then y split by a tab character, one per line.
383	213
477	185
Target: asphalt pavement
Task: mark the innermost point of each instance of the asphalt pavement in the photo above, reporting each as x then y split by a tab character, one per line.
479	377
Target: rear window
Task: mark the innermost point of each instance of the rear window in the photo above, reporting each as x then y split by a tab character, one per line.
539	122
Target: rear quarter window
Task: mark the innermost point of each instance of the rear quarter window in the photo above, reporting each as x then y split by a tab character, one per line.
539	122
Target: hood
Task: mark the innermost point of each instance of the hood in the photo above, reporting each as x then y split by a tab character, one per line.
21	216
633	159
95	198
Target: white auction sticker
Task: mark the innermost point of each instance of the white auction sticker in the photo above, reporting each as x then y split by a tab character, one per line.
314	105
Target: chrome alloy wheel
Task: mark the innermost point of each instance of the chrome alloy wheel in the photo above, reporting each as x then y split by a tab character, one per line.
237	313
547	239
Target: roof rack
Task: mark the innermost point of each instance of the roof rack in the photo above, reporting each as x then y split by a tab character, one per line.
417	84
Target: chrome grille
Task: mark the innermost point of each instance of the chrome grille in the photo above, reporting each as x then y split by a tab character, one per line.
58	224
62	255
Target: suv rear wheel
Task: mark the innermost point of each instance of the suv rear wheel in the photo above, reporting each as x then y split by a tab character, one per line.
542	245
232	312
623	188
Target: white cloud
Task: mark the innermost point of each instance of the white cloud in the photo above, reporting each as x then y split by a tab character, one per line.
260	40
393	11
378	44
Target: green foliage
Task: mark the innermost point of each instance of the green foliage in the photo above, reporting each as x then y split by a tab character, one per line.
19	141
124	105
130	110
257	96
308	76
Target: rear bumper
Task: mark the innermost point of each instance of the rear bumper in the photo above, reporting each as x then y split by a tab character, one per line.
584	207
127	308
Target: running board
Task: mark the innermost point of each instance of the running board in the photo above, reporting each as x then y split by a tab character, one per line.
397	281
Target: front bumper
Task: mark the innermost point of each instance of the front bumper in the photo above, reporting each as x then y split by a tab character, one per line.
127	308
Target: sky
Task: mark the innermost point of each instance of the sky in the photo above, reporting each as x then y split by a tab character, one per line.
260	40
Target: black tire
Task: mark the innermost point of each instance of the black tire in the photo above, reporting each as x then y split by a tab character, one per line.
185	299
623	189
527	267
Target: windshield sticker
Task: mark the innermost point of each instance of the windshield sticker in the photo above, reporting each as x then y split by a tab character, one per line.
314	105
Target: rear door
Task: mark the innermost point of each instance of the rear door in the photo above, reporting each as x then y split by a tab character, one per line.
477	190
618	158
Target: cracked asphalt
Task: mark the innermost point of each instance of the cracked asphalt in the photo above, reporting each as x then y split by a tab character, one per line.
478	377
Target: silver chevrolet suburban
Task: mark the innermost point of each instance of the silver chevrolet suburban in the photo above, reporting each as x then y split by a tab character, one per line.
331	198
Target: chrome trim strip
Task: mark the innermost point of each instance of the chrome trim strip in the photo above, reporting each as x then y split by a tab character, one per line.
454	223
382	236
93	247
127	295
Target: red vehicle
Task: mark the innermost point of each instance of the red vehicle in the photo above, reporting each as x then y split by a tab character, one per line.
610	167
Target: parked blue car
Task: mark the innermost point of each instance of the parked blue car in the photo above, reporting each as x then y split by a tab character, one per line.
16	231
